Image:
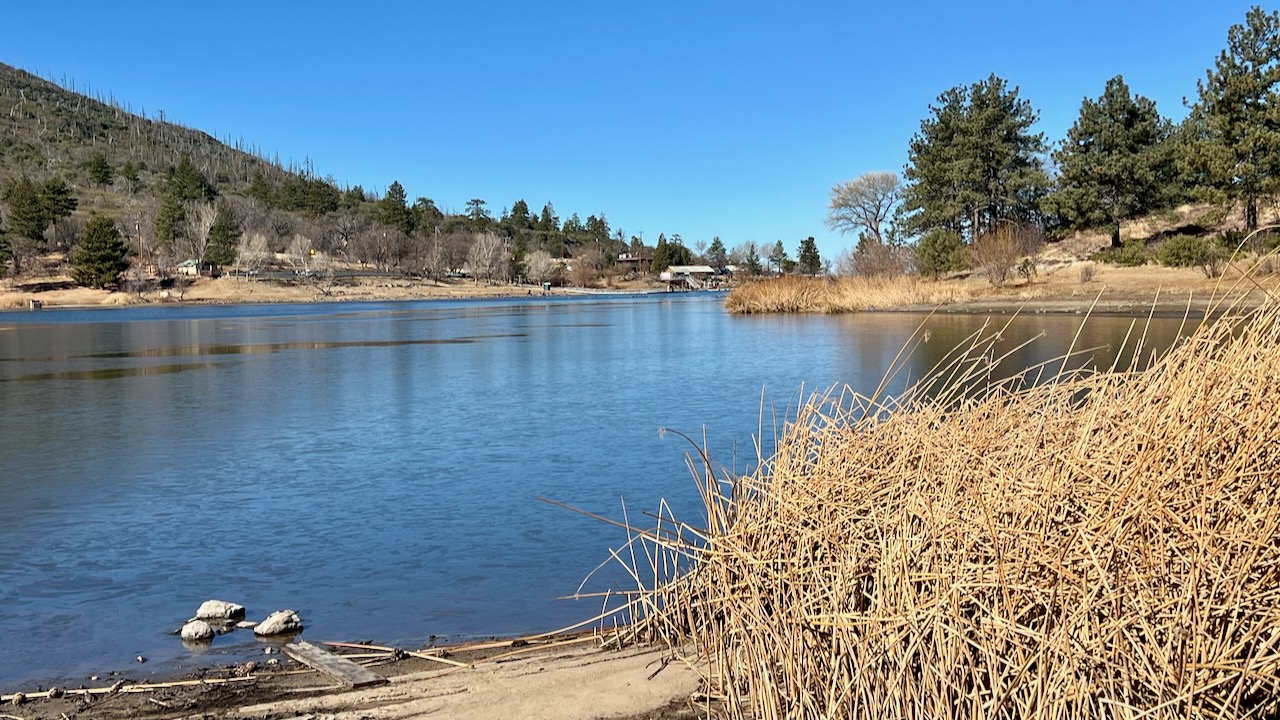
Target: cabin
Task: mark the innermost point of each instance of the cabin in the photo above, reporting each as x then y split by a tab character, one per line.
192	268
688	277
628	263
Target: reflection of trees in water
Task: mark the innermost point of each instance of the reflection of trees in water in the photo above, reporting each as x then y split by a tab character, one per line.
961	356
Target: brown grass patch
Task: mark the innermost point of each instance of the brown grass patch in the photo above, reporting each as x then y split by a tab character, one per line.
1105	545
790	293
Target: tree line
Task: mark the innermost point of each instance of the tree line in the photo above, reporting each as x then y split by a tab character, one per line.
176	194
978	175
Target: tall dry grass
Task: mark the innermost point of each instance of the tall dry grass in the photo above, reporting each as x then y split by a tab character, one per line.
1104	545
790	293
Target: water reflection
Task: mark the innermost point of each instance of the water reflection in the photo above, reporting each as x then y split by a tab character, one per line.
376	467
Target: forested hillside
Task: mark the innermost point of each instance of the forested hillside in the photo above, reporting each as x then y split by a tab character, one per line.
177	194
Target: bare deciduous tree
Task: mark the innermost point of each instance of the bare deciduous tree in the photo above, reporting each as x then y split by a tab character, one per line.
486	256
999	252
587	265
541	267
434	259
864	203
873	259
254	252
200	217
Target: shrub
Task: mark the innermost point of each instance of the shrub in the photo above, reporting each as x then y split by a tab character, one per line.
998	252
1132	254
1191	251
939	251
1086	272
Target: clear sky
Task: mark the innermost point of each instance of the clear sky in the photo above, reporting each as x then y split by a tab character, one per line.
697	118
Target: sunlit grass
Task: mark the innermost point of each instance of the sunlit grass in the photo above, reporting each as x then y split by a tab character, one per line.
1105	545
791	293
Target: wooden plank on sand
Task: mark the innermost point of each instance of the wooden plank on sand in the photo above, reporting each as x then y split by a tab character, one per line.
338	668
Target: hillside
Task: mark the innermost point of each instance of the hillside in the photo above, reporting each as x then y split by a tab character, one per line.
46	129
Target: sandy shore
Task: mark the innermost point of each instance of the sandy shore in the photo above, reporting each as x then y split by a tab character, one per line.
559	679
60	292
1058	288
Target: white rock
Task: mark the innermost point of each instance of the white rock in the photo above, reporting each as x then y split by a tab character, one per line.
219	610
197	630
278	622
245	624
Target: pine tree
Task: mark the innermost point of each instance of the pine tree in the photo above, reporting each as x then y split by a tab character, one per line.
480	217
170	223
519	217
975	162
1114	164
548	221
661	256
100	171
100	257
778	256
28	218
130	173
1239	97
808	259
57	199
188	183
393	209
224	237
717	256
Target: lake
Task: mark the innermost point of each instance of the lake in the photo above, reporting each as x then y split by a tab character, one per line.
375	466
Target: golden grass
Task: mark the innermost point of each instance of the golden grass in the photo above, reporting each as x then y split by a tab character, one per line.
790	293
1104	545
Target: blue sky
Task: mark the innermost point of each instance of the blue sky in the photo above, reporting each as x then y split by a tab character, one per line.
703	119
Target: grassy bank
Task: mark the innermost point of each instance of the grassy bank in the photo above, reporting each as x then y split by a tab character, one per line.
790	293
1103	546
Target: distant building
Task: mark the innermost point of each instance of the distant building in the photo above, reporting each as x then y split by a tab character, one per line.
626	262
189	267
696	277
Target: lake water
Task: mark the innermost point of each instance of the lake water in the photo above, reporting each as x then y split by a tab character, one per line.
376	466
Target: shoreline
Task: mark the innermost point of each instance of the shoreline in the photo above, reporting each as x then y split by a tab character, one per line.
573	675
1047	300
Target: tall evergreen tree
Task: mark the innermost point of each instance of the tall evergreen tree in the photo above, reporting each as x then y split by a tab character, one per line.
28	218
807	258
133	181
717	255
101	256
100	171
548	221
224	237
170	222
57	199
188	183
661	255
393	209
975	162
480	217
778	256
519	217
1239	106
1115	163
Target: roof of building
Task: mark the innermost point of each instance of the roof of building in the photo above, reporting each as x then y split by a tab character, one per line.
691	269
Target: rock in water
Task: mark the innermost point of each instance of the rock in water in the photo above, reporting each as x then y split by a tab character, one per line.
219	610
279	622
197	630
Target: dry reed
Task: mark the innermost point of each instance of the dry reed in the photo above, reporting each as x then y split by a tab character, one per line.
1103	545
790	293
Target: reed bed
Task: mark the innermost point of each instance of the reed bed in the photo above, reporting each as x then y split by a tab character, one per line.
1100	545
790	293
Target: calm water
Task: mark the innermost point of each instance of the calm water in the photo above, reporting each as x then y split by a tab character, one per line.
375	466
